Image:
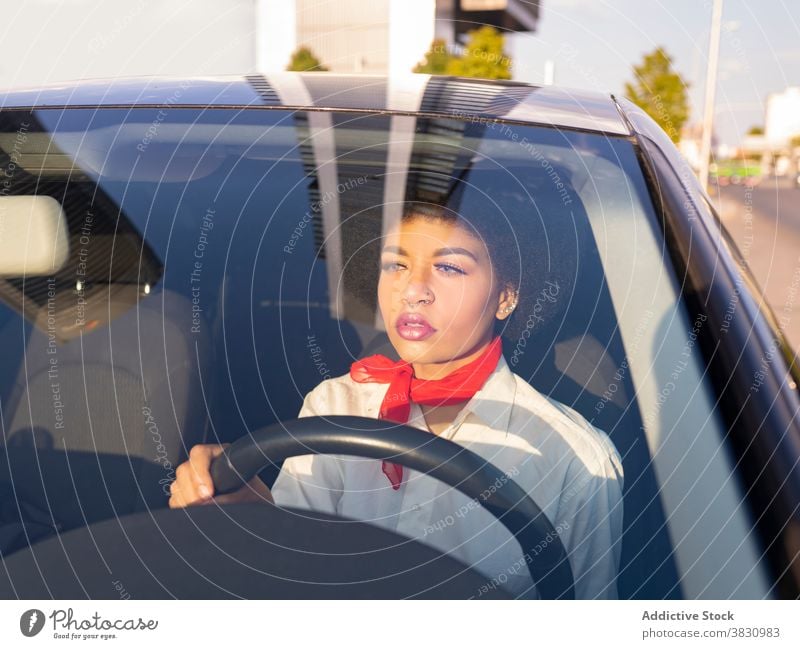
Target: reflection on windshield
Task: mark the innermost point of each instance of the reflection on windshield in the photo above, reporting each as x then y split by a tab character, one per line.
110	266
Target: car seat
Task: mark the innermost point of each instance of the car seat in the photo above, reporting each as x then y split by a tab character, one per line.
100	413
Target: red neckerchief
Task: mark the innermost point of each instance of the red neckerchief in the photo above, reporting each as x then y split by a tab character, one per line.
457	387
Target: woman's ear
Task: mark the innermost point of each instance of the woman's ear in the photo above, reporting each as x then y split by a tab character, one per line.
508	302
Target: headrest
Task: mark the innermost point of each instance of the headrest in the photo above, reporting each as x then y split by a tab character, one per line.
33	236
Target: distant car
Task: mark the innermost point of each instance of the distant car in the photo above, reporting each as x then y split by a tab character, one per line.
736	172
752	181
182	260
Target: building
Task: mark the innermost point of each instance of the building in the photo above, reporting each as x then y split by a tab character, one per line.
782	120
781	125
454	18
379	36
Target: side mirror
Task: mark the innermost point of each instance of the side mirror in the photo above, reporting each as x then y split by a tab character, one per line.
34	236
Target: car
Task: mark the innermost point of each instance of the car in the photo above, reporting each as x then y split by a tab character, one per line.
183	259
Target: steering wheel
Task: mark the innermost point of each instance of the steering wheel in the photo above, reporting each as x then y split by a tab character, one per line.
454	465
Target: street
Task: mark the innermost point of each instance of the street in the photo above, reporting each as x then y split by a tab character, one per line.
764	222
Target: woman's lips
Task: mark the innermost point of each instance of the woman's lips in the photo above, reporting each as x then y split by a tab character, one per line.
412	326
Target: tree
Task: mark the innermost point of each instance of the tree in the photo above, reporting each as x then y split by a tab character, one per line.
660	92
756	130
483	56
436	60
304	60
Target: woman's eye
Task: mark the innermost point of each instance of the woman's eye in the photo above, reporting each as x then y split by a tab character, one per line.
390	266
449	269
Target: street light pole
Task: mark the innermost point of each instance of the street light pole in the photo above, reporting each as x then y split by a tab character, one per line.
711	86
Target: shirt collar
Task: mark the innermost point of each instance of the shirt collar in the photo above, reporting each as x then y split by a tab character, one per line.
491	404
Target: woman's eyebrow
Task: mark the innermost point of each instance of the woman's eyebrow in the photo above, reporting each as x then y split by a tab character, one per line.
441	252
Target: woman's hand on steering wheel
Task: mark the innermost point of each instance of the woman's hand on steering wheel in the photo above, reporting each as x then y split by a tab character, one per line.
193	484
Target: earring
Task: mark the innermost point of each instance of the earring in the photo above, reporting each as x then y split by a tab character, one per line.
510	308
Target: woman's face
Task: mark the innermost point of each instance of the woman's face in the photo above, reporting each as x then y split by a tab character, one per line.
438	295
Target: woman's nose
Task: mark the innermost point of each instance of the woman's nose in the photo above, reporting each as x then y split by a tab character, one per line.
417	291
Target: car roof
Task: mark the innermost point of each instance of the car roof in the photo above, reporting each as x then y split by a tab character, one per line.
409	94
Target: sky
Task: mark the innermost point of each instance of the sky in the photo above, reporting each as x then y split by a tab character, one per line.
595	43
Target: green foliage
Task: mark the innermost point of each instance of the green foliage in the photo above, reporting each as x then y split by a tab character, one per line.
794	141
756	130
740	168
436	60
483	56
303	60
660	92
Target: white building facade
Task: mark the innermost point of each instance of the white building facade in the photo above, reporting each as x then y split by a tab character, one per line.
782	120
348	36
375	36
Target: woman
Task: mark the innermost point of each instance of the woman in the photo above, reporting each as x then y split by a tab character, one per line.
447	288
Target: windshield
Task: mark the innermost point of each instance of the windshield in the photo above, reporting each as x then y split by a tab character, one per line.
222	263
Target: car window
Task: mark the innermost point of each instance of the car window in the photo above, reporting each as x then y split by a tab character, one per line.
224	262
707	515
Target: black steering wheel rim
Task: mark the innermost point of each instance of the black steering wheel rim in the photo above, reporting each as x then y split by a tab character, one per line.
454	465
